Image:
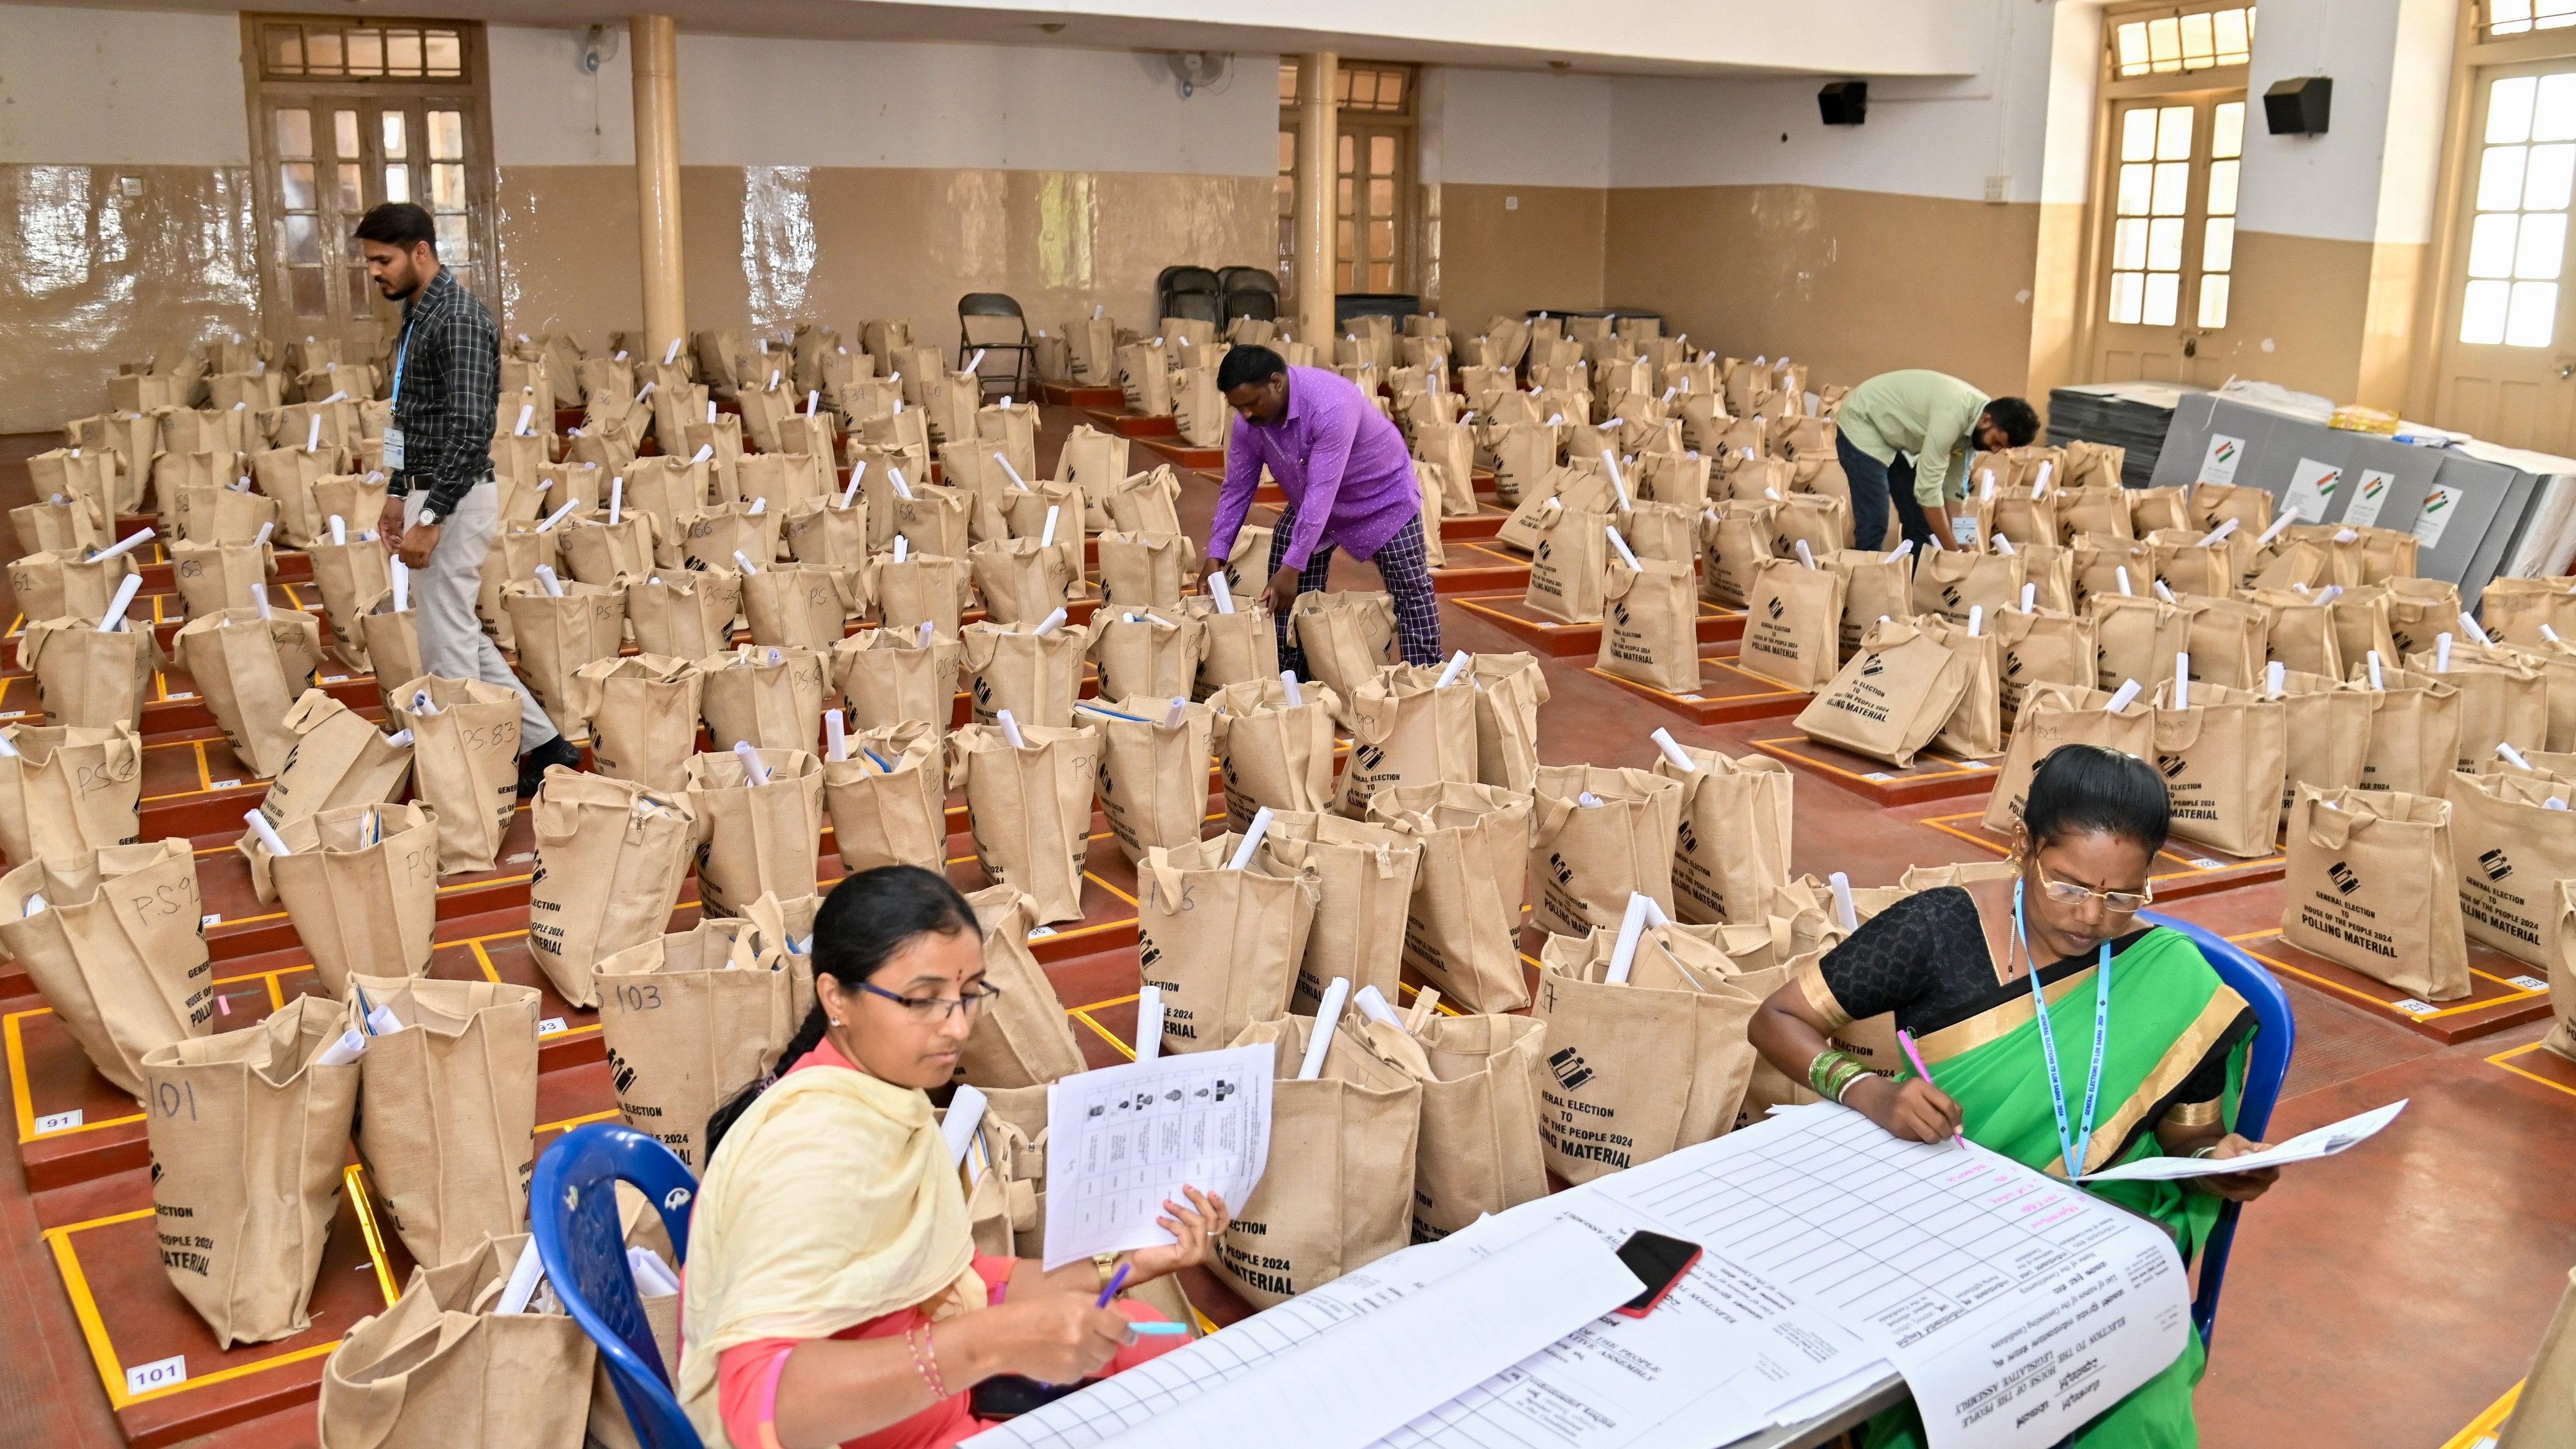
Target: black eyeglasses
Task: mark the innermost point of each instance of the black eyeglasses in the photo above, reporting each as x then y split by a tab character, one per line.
928	1009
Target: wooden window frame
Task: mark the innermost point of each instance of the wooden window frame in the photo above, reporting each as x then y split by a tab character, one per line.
1412	206
482	183
2473	52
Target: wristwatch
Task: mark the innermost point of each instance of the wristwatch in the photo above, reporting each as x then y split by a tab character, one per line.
1106	1264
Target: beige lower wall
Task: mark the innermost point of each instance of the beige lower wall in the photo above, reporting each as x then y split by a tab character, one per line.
100	264
91	276
1851	283
1544	251
770	246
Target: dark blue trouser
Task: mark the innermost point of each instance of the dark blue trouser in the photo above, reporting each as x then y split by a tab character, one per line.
1873	485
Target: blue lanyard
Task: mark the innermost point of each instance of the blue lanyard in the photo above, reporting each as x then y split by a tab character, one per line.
402	353
2068	1144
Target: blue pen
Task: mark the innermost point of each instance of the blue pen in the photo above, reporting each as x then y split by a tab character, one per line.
880	759
1114	714
1116	1280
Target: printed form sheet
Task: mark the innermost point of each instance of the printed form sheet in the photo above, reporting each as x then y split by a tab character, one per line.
2017	1307
1123	1140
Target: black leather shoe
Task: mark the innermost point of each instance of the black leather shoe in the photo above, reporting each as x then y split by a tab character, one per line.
532	765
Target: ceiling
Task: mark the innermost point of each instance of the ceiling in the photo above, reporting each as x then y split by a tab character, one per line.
1622	37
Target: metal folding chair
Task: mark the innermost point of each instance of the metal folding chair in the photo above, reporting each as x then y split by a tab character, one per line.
1012	329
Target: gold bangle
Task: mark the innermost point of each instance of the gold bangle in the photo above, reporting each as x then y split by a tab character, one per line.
1106	1265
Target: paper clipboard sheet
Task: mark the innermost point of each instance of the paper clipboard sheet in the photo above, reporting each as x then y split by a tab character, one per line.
1123	1140
1349	1362
2325	1141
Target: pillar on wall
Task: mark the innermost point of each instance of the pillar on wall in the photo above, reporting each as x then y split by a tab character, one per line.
1316	120
657	177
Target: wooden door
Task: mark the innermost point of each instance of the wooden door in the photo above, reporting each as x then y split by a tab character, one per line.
2169	234
2510	352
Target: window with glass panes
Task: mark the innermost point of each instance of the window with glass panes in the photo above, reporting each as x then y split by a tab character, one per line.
1374	200
2180	41
2522	17
348	114
2176	170
2518	238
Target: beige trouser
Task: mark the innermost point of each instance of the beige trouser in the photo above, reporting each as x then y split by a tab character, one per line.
452	642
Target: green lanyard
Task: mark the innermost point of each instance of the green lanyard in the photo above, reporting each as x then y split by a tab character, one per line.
2069	1143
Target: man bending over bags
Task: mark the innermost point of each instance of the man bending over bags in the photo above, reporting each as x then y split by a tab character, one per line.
1349	483
833	1292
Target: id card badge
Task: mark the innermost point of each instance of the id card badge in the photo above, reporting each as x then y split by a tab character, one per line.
1963	527
393	450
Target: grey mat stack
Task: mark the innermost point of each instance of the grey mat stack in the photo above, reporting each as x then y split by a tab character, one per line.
2131	415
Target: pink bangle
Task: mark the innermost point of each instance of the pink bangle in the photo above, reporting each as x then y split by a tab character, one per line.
925	1360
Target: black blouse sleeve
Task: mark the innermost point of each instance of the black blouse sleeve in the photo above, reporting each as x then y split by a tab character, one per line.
1895	961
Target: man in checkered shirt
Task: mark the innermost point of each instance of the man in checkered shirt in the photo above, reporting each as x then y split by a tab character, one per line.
441	508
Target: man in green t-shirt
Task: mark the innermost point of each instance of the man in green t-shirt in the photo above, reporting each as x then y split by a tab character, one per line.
1907	435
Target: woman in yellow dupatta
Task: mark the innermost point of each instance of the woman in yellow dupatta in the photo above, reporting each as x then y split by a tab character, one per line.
2154	1069
833	1292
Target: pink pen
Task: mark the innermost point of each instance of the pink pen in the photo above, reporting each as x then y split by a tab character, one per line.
1906	1041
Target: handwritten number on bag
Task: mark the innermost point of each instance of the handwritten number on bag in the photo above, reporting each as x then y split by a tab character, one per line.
641	998
170	1096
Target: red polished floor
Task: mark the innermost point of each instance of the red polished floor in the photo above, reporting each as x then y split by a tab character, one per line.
2382	1298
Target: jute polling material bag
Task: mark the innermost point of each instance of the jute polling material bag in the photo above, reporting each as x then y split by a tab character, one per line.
1462	923
1222	944
2372	885
612	857
2042	646
684	616
392	638
1153	655
1893	697
1024	1038
2053	715
1407	728
1650	628
1509	690
889	679
803	606
1732	848
1480	1149
1029	809
1792	623
465	763
67	790
768	696
1346	637
558	634
1240	646
1353	1132
2415	731
1153	770
1367	872
2325	722
360	885
1270	752
442	1367
1035	676
889	799
213	577
117	951
1640	1068
2512	850
692	1017
251	670
755	838
1975	729
1598	836
248	1132
641	713
449	1130
2224	754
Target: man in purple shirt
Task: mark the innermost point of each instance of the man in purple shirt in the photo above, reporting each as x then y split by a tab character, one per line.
1350	484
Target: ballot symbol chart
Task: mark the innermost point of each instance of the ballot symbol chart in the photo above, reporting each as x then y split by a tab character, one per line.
1124	1140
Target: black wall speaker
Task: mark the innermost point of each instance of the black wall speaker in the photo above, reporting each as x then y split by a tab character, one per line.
2299	107
1843	103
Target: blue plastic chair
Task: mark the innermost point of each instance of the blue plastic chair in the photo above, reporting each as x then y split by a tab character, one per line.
572	1209
2267	1065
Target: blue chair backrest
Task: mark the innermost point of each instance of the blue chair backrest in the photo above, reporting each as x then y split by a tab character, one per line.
2267	1065
572	1210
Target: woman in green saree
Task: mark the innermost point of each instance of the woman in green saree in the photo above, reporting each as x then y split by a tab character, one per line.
2154	1069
